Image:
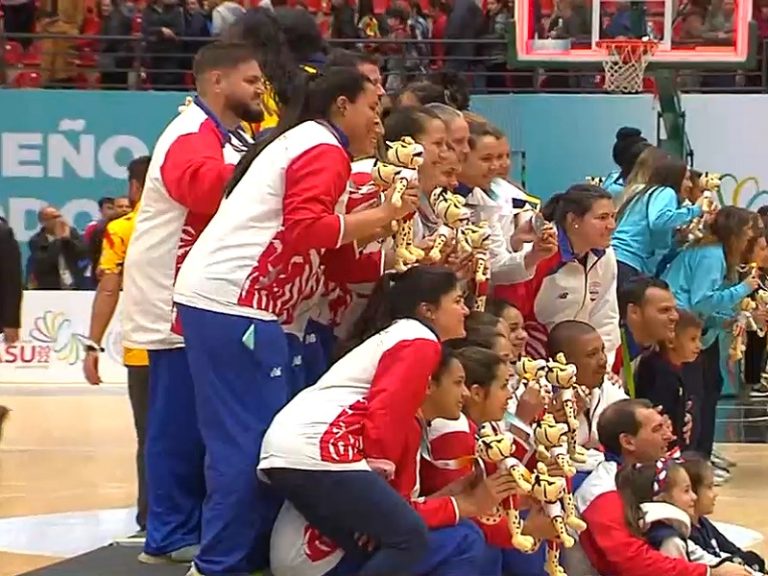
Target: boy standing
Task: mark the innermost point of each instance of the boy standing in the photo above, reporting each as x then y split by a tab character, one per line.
661	379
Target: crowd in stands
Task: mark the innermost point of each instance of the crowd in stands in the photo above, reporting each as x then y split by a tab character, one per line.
258	275
120	44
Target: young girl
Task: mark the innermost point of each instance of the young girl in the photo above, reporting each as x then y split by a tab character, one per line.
703	532
647	218
514	321
703	279
658	502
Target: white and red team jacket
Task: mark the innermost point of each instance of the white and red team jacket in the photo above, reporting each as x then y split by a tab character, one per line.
260	256
191	163
449	455
564	288
364	407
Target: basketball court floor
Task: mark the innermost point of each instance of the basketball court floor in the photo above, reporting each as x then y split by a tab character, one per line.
67	480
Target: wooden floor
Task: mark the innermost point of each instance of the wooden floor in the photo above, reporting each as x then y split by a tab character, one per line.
73	451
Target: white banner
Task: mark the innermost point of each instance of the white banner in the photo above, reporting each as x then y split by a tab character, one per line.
50	349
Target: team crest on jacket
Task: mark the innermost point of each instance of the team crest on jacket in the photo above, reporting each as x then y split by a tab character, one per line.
594	290
316	546
342	441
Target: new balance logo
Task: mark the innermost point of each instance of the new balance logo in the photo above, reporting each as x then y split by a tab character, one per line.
297	360
276	372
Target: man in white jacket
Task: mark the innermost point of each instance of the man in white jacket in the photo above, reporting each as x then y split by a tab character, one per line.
582	345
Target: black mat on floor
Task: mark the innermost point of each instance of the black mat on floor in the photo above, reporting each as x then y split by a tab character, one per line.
109	561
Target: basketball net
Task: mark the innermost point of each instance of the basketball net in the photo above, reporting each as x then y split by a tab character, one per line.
625	63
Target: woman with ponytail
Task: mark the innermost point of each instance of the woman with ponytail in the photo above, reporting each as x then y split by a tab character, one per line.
344	452
578	282
249	281
704	280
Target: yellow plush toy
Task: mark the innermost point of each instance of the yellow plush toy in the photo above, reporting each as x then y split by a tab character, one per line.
595	180
450	209
552	444
403	159
562	376
502	448
552	493
187	103
474	239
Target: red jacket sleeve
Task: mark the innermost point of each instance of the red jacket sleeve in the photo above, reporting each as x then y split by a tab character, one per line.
523	294
627	554
314	182
397	391
437	512
194	171
345	265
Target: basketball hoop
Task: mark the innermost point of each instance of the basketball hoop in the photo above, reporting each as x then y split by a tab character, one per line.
625	63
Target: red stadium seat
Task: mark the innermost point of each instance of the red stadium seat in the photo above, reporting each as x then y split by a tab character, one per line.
13	53
28	79
33	56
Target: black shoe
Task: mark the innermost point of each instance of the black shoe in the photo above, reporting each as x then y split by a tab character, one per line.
4	411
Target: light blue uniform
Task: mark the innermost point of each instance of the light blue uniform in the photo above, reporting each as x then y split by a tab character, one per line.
645	232
696	278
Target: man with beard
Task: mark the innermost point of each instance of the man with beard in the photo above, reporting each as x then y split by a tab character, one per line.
192	161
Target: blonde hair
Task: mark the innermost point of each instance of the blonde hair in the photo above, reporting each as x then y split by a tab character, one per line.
639	176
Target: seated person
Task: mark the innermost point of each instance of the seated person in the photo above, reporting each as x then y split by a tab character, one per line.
631	432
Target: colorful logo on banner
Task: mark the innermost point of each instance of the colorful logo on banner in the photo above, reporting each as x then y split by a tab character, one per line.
53	339
745	192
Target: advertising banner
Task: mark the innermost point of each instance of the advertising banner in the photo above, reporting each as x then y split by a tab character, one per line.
50	349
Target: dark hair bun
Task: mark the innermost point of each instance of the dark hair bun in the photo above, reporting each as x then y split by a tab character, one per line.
626	139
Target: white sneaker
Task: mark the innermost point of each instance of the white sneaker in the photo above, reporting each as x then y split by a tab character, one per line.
721	476
181	556
721	461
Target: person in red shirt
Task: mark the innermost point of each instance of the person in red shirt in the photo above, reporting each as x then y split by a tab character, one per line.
631	431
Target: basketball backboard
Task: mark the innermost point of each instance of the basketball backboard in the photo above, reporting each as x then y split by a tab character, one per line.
567	33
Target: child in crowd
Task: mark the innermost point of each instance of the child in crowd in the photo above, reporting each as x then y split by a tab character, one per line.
703	532
661	379
659	503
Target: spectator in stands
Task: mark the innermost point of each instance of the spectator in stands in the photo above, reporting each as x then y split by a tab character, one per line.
106	211
440	10
115	54
58	254
631	431
397	50
343	24
19	18
163	26
223	15
197	25
570	19
497	19
57	69
465	22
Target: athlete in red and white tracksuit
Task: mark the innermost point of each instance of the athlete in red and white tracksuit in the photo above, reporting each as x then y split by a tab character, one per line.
191	163
317	453
348	276
255	269
567	288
